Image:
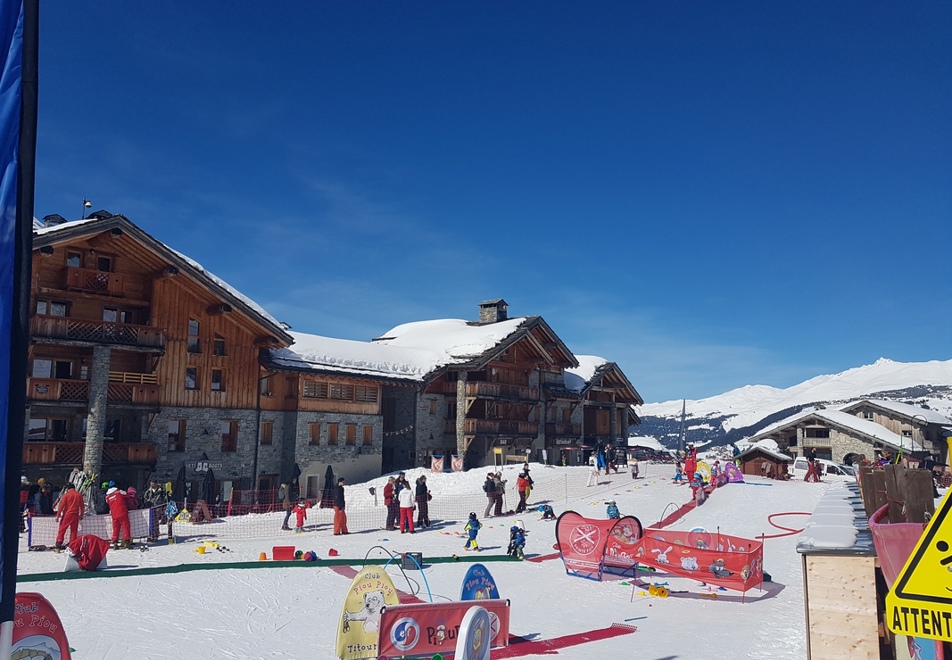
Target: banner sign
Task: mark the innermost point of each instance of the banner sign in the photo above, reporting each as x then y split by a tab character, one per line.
582	543
428	628
622	542
457	463
371	590
728	561
478	584
37	629
436	463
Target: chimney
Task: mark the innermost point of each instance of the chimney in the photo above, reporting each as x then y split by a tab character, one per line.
493	311
53	219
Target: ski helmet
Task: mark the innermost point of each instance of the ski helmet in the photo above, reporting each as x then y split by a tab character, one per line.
472	516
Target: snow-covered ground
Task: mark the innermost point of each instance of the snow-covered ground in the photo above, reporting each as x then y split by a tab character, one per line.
274	611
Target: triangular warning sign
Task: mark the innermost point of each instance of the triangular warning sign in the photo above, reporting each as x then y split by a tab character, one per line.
920	602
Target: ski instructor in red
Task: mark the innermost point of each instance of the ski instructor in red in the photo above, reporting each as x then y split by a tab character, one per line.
70	512
116	499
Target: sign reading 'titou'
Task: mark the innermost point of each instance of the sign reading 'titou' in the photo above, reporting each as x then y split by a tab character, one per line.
920	602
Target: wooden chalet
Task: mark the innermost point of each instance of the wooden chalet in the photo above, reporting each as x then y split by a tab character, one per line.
763	462
922	426
140	361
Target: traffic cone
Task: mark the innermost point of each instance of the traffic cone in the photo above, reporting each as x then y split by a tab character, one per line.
263	556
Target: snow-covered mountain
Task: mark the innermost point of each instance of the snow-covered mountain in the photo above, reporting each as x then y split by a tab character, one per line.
743	412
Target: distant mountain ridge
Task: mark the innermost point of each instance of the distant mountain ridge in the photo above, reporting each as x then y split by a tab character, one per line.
745	411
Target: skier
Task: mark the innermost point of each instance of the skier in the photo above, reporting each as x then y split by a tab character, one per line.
634	468
517	542
116	499
300	511
547	512
70	512
612	510
472	529
405	497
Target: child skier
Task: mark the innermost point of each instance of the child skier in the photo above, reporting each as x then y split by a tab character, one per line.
679	474
472	528
517	542
300	510
547	512
612	510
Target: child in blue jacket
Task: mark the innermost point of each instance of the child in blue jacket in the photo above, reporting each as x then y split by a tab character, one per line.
472	529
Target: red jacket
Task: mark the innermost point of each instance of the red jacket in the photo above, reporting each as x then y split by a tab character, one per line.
521	484
388	494
117	503
71	504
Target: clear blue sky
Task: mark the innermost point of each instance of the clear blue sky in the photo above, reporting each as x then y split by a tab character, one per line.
710	194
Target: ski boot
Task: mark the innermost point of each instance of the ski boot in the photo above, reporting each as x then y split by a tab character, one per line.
127	545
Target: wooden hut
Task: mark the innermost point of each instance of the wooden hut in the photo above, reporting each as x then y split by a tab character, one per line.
764	462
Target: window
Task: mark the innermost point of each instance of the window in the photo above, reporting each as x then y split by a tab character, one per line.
314	428
366	393
176	435
341	391
229	436
74	259
389	411
191	378
332	433
267	431
218	347
868	415
432	406
817	432
104	264
265	386
42	368
368	434
218	380
52	308
907	433
193	344
49	428
113	430
110	314
315	389
350	433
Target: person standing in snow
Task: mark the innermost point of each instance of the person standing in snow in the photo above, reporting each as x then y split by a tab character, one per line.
300	512
390	501
489	487
116	499
70	512
405	496
500	493
472	528
522	485
422	501
340	515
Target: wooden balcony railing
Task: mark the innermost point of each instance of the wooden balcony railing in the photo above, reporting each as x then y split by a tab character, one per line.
817	442
493	427
59	389
567	430
494	390
99	332
71	453
95	281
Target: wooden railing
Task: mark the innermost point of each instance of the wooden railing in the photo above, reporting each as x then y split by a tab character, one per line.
96	281
59	389
494	390
817	442
100	332
71	453
133	377
501	426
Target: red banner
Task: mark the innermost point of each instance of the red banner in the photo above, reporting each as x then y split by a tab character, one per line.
457	463
582	543
622	542
729	561
428	628
436	463
37	630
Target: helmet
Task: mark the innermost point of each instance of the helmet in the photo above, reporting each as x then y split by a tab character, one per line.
131	491
112	484
513	529
105	485
541	508
472	516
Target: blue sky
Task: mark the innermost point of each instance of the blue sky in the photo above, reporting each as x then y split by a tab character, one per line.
710	194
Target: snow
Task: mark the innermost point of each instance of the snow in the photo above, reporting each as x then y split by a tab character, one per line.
578	377
750	404
277	611
864	426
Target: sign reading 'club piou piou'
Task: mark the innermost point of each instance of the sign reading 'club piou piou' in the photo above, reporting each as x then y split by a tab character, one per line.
920	602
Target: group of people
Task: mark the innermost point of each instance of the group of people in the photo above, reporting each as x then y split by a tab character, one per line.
401	499
495	488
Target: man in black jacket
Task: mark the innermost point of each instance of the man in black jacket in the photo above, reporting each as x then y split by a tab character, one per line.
489	487
340	517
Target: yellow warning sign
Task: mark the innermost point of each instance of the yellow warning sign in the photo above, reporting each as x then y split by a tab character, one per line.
920	602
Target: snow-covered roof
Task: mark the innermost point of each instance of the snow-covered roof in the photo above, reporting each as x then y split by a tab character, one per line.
773	454
905	409
577	378
409	351
846	420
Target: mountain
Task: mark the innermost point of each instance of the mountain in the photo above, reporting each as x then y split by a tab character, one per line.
743	412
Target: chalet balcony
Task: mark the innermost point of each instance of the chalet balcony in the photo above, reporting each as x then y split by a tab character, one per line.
143	391
93	281
64	328
564	430
817	442
71	453
494	427
495	391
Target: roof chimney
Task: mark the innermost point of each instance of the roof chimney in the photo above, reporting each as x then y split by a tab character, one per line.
493	311
53	219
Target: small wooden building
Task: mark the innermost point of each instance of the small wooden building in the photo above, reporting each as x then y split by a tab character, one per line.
764	462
